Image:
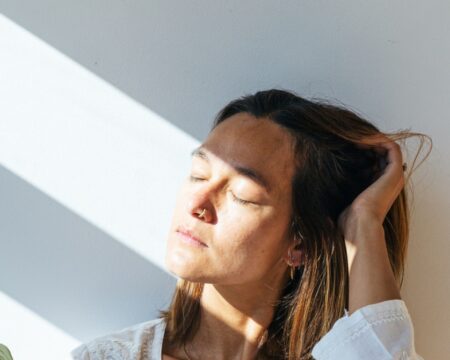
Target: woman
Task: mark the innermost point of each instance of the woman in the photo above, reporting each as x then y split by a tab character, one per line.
288	238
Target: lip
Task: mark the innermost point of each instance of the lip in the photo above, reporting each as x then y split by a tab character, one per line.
188	237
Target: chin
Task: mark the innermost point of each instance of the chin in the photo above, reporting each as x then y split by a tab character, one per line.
179	267
185	271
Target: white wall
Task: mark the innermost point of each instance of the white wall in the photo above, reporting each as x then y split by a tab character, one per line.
92	91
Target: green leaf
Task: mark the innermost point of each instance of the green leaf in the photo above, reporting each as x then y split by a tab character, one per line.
5	354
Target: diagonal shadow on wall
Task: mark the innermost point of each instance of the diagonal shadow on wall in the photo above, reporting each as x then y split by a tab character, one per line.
69	271
142	48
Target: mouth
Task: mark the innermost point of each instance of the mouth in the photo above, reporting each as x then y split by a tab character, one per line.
188	237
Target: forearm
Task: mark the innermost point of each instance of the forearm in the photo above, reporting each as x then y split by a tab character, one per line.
371	279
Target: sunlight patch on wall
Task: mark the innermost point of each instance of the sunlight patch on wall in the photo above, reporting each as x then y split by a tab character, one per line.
86	144
28	336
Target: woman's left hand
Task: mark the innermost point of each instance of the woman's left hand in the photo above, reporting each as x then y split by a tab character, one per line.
375	201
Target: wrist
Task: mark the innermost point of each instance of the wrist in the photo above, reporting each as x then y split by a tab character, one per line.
364	237
361	227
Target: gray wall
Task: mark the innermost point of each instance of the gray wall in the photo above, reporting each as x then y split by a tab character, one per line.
185	59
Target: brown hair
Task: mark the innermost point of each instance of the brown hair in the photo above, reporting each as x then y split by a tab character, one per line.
330	172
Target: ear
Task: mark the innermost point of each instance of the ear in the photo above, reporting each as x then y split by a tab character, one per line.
297	253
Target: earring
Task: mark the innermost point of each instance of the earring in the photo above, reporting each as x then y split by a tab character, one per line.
202	213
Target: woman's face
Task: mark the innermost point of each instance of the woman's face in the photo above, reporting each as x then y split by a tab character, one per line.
243	242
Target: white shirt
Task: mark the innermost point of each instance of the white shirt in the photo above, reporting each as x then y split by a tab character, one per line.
381	331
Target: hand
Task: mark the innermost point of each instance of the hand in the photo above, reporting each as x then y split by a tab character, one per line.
371	279
375	201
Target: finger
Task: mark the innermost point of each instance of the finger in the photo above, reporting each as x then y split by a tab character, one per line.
394	155
391	179
376	152
374	144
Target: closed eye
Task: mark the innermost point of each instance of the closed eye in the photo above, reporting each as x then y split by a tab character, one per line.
241	201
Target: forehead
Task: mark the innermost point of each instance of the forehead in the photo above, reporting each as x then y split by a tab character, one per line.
258	144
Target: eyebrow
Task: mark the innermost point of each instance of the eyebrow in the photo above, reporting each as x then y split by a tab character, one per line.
245	171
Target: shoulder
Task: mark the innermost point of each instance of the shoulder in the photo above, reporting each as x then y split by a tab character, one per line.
139	341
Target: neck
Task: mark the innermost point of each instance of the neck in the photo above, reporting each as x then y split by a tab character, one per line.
234	320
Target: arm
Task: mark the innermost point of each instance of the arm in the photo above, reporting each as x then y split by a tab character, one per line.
377	324
371	279
381	331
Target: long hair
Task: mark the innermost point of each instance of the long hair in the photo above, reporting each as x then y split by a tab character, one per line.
330	171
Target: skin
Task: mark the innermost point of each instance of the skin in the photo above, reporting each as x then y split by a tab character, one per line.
245	264
370	274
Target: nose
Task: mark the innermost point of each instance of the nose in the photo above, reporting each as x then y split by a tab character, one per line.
200	204
201	212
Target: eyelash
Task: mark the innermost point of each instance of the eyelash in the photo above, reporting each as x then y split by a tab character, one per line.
243	202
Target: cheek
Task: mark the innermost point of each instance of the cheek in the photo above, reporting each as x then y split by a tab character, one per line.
244	243
247	249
